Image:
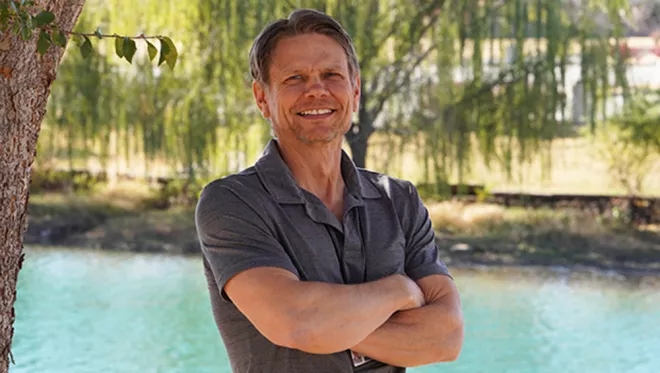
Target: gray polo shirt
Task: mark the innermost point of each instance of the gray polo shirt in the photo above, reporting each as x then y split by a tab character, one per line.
261	217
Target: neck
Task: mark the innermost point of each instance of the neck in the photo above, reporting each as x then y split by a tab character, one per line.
317	169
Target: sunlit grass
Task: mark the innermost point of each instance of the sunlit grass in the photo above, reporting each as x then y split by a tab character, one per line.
577	167
489	234
461	218
456	216
126	194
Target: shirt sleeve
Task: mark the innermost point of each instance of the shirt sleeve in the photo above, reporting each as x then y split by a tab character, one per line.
234	237
422	256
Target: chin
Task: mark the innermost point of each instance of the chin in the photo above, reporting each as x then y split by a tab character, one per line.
317	139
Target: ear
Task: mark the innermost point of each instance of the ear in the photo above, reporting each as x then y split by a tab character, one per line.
356	94
259	93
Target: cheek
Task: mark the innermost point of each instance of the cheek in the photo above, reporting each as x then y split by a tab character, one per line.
286	98
343	92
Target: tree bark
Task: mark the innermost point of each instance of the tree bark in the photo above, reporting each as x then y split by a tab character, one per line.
24	89
358	142
358	135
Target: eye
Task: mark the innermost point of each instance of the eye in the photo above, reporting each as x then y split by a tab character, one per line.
332	74
293	78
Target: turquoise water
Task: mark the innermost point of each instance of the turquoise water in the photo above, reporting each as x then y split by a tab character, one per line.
91	311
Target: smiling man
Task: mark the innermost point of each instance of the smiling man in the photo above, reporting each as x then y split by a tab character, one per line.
314	265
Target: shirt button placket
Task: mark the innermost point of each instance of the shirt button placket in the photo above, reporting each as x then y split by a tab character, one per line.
353	253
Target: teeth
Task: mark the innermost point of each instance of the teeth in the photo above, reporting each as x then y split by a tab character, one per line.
316	112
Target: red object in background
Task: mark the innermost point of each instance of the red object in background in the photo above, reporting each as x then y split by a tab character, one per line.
628	52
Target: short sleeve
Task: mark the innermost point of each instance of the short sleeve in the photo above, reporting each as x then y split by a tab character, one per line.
422	256
234	237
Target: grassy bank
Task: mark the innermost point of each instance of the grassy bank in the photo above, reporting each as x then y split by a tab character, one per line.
492	234
123	218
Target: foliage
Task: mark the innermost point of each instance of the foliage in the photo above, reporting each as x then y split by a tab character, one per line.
451	78
640	120
629	162
177	192
50	180
509	99
632	139
16	16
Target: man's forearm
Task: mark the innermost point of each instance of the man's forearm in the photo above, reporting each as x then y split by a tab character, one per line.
416	337
424	335
331	318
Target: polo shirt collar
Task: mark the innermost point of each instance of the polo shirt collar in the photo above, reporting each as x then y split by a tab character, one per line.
278	179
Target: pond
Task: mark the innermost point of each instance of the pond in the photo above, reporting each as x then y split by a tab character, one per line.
92	311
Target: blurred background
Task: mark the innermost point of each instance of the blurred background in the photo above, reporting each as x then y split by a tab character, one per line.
530	127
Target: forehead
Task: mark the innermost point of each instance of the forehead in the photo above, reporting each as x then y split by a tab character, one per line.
307	51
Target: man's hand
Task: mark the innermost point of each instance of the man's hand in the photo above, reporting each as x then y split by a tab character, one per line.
415	294
419	336
318	317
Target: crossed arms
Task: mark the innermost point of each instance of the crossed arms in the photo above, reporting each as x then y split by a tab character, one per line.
393	320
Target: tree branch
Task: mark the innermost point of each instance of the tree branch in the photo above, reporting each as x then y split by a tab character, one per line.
403	80
501	80
101	36
397	65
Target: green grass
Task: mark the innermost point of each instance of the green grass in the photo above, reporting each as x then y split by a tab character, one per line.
493	234
171	231
579	165
122	217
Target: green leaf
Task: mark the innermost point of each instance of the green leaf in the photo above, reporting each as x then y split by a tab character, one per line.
26	32
43	43
152	50
171	53
164	51
44	18
98	32
78	39
119	47
86	47
59	38
129	49
4	15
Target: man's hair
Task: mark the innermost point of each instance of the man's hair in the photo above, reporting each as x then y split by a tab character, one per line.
302	21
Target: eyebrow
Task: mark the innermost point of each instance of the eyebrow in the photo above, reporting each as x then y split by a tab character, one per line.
298	71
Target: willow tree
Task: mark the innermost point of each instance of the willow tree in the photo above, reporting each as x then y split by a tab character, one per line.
192	123
510	100
387	35
390	42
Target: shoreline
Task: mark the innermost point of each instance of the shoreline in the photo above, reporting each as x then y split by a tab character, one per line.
575	274
471	236
577	271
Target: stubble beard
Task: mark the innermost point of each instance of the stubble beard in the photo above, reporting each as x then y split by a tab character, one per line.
299	133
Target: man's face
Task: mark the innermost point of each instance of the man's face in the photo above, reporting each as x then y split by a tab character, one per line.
311	95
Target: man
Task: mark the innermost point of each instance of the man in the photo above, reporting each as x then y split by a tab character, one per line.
314	265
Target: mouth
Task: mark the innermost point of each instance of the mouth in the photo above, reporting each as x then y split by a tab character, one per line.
316	113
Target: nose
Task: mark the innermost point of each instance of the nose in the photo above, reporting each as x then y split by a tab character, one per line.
316	87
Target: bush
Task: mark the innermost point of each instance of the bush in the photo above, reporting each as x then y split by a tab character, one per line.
52	180
629	162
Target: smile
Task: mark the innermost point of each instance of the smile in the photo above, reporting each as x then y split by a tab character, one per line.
316	112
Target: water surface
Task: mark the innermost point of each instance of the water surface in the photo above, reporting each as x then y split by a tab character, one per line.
91	311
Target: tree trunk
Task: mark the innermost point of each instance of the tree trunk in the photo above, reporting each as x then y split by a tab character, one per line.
24	89
358	143
358	135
